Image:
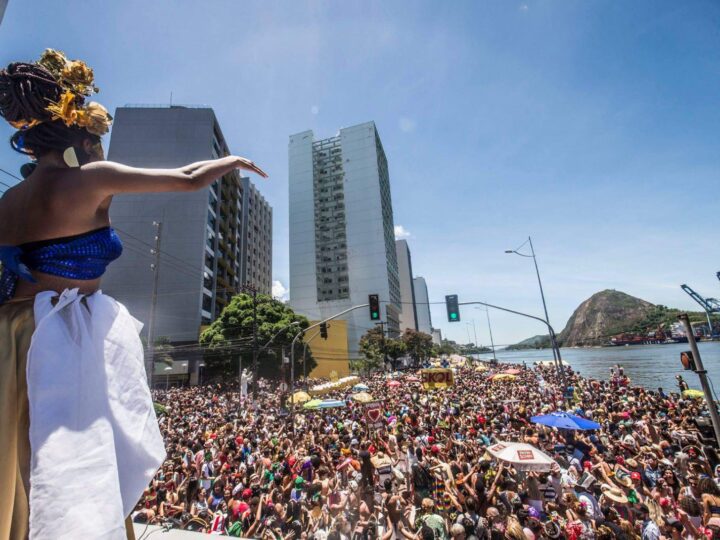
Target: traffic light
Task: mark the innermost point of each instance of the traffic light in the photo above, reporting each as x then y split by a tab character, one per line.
688	360
453	310
374	302
323	330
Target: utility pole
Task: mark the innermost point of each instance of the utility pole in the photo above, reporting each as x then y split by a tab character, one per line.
492	343
253	292
384	345
702	374
155	266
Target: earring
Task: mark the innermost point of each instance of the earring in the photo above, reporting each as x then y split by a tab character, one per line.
70	157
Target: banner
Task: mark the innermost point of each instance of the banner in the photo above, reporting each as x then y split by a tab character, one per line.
374	413
436	378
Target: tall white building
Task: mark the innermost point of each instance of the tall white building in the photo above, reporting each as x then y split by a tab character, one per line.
422	305
342	244
408	313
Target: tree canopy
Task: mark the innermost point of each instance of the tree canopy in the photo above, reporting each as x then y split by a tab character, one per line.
230	336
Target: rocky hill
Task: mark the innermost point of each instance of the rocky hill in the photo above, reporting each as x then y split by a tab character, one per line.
535	342
602	315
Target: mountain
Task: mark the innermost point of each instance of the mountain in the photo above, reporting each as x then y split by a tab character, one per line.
535	342
604	314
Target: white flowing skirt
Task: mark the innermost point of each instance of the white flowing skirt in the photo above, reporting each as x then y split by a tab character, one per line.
94	438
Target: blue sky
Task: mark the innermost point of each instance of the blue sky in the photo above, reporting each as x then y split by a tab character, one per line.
591	125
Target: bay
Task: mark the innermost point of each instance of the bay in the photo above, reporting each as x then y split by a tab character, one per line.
651	366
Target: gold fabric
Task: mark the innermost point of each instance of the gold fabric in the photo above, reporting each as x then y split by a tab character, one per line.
17	324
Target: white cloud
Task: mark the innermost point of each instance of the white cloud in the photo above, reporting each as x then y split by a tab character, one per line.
315	110
407	125
524	7
279	291
401	232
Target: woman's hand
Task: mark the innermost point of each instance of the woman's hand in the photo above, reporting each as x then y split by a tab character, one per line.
246	164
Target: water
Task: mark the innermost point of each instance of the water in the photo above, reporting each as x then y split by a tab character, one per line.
651	366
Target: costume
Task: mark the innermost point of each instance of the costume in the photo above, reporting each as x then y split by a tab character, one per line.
79	439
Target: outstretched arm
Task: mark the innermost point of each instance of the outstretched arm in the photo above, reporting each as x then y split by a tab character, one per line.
107	178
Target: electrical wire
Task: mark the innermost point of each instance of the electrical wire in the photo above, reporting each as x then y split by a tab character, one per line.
11	175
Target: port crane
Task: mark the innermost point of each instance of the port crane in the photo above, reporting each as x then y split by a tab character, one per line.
709	305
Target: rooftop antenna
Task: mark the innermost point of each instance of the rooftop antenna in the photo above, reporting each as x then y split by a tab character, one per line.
171	99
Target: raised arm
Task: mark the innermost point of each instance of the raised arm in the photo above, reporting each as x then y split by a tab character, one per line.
108	178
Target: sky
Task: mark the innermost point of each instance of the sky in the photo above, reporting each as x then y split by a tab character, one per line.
591	126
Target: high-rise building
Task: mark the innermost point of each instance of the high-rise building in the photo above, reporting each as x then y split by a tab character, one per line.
408	312
342	243
212	240
422	305
437	336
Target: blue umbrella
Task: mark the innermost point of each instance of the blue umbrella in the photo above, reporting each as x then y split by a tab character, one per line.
360	388
565	420
330	403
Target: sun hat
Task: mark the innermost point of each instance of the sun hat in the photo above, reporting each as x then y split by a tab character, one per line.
614	494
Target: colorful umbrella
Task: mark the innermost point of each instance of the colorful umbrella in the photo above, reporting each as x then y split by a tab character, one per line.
503	377
394	384
522	456
692	393
312	404
360	388
362	397
300	397
565	420
331	403
512	371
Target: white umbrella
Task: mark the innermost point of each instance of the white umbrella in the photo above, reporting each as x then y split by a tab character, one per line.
524	457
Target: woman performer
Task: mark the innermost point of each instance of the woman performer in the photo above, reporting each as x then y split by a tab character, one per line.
76	416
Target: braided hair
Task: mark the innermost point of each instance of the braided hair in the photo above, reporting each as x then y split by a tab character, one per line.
26	89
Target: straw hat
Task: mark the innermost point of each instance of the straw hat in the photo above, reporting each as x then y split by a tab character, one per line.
624	480
614	494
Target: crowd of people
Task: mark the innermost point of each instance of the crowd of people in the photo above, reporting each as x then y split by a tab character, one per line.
240	467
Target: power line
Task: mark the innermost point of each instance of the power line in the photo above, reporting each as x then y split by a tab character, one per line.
11	175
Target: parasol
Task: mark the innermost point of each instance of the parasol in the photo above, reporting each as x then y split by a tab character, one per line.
362	397
522	456
565	420
300	397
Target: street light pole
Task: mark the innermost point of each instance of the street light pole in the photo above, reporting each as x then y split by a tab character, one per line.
553	337
305	346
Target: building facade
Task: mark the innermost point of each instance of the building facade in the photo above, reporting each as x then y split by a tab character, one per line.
342	244
408	311
211	241
423	305
437	336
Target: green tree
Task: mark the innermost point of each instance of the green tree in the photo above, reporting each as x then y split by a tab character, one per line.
229	337
419	345
371	347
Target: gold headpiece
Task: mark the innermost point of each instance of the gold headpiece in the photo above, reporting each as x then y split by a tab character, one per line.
78	82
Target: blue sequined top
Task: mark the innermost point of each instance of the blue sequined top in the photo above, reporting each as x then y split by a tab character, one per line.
83	256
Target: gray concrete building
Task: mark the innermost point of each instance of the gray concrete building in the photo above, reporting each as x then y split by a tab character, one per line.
342	243
422	305
408	312
212	240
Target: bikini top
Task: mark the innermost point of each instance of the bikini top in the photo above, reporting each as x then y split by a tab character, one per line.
82	256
